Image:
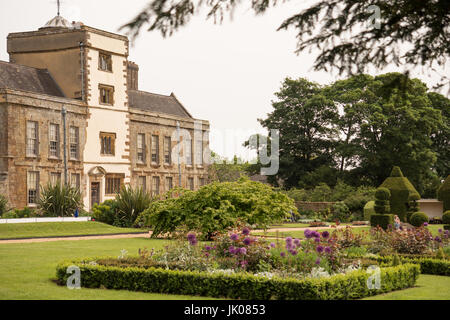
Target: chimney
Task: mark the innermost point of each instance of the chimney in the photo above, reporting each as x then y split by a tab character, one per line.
132	75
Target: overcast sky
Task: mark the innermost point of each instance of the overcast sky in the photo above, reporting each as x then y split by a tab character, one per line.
226	74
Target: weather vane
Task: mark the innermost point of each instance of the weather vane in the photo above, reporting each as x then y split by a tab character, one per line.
59	6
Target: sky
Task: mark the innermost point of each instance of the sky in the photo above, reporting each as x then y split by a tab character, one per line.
224	73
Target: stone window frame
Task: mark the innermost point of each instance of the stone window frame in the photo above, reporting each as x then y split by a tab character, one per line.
108	59
55	147
156	185
201	181
77	183
154	149
110	90
51	177
113	183
169	186
142	183
188	152
141	150
35	140
36	182
167	150
104	136
74	145
191	183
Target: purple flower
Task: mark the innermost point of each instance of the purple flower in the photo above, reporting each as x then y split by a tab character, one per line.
307	233
437	239
232	250
207	254
297	242
234	237
283	254
191	237
325	234
244	263
289	240
207	248
288	246
272	245
315	234
247	241
319	249
318	261
440	230
243	251
293	252
193	242
246	231
327	249
317	240
446	232
425	224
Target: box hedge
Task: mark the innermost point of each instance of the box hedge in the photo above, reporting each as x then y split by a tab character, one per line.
239	286
418	219
428	265
382	220
369	210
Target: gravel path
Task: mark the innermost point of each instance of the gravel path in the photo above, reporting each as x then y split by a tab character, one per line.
115	236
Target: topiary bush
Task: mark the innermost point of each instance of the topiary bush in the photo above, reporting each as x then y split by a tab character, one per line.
382	196
446	217
341	212
369	210
382	220
444	193
402	191
418	219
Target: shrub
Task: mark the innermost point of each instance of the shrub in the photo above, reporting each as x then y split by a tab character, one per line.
341	212
369	210
444	193
418	219
217	207
105	212
382	220
59	200
3	205
427	265
382	194
381	205
402	191
129	203
446	217
238	286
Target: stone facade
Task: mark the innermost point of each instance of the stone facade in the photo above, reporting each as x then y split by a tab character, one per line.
89	71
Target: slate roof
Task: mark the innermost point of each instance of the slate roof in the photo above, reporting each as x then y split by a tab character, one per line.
157	103
18	77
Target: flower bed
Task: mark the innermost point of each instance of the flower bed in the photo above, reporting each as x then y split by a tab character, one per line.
237	286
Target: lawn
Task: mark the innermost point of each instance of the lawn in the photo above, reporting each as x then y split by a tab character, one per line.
27	269
54	229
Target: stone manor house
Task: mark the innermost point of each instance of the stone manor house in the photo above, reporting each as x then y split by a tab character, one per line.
115	134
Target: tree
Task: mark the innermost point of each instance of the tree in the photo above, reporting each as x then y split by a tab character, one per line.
350	34
302	115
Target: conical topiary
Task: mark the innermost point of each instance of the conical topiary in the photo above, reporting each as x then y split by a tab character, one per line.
402	192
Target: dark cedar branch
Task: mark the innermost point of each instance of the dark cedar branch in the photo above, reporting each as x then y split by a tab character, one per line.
339	28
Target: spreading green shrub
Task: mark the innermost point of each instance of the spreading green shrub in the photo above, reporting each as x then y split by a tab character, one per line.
418	219
239	286
105	212
402	191
369	210
217	207
59	200
21	213
382	220
446	217
341	212
444	193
